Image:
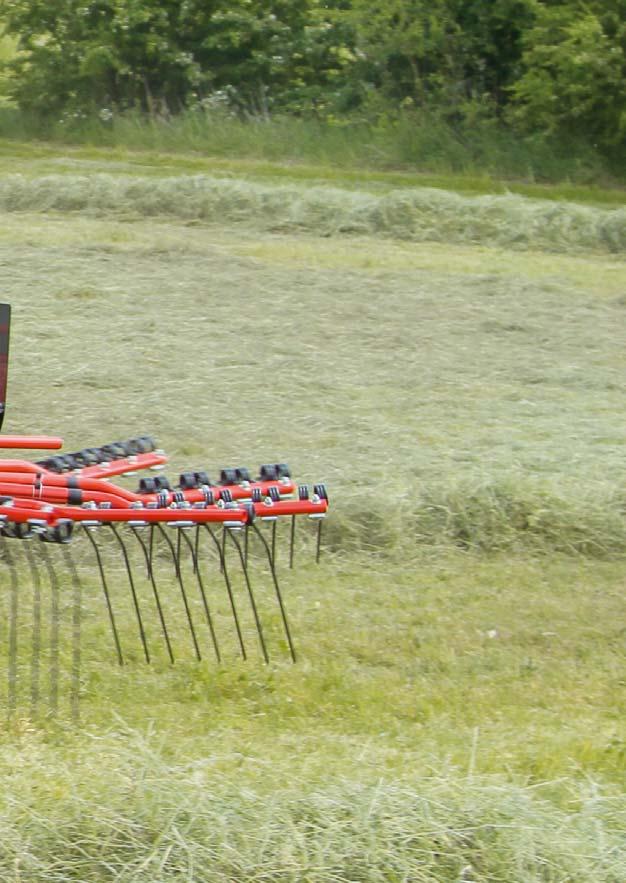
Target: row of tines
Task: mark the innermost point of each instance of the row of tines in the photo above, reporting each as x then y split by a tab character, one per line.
228	477
161	485
143	444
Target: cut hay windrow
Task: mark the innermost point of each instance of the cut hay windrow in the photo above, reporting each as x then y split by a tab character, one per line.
418	215
494	516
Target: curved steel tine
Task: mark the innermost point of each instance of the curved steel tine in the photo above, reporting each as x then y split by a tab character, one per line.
197	545
146	551
283	612
77	602
318	547
181	584
274	524
54	631
292	541
142	632
150	550
246	576
13	624
229	590
205	603
107	597
36	650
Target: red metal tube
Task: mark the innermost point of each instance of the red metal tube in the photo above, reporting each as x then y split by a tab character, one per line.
50	493
119	467
100	490
290	507
31	442
53	489
103	470
211	515
70	481
22	466
52	514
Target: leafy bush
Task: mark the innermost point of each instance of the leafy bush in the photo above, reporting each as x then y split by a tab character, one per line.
575	78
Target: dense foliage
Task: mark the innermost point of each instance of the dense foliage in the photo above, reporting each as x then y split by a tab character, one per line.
575	72
548	66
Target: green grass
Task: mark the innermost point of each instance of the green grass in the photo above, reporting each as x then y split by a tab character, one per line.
465	714
37	158
163	821
457	710
455	365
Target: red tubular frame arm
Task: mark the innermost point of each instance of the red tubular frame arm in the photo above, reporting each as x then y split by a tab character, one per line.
51	514
31	442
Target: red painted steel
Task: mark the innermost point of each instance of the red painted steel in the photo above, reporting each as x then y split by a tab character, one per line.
31	442
128	464
15	512
43	480
290	507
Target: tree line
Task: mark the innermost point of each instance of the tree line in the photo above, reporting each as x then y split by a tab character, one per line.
555	67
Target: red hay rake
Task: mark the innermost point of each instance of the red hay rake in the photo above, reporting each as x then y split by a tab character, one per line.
50	503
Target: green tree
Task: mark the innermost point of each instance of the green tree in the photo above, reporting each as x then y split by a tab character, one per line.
491	44
407	47
442	51
574	83
101	53
7	53
163	55
289	54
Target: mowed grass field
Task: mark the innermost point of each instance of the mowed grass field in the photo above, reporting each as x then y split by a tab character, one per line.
457	710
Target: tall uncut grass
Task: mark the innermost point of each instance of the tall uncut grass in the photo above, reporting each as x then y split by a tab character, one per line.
153	820
415	215
423	141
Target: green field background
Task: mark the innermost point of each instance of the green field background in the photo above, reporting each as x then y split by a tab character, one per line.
452	366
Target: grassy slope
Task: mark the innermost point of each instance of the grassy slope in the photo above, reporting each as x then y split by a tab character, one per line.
450	709
467	714
423	367
40	158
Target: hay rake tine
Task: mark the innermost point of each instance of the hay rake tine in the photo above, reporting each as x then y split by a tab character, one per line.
49	498
229	590
147	555
246	576
54	631
183	593
292	541
205	603
279	596
142	631
274	525
36	649
107	597
318	545
223	557
197	546
13	614
76	634
151	548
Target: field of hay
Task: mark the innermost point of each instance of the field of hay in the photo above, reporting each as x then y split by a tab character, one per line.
453	368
